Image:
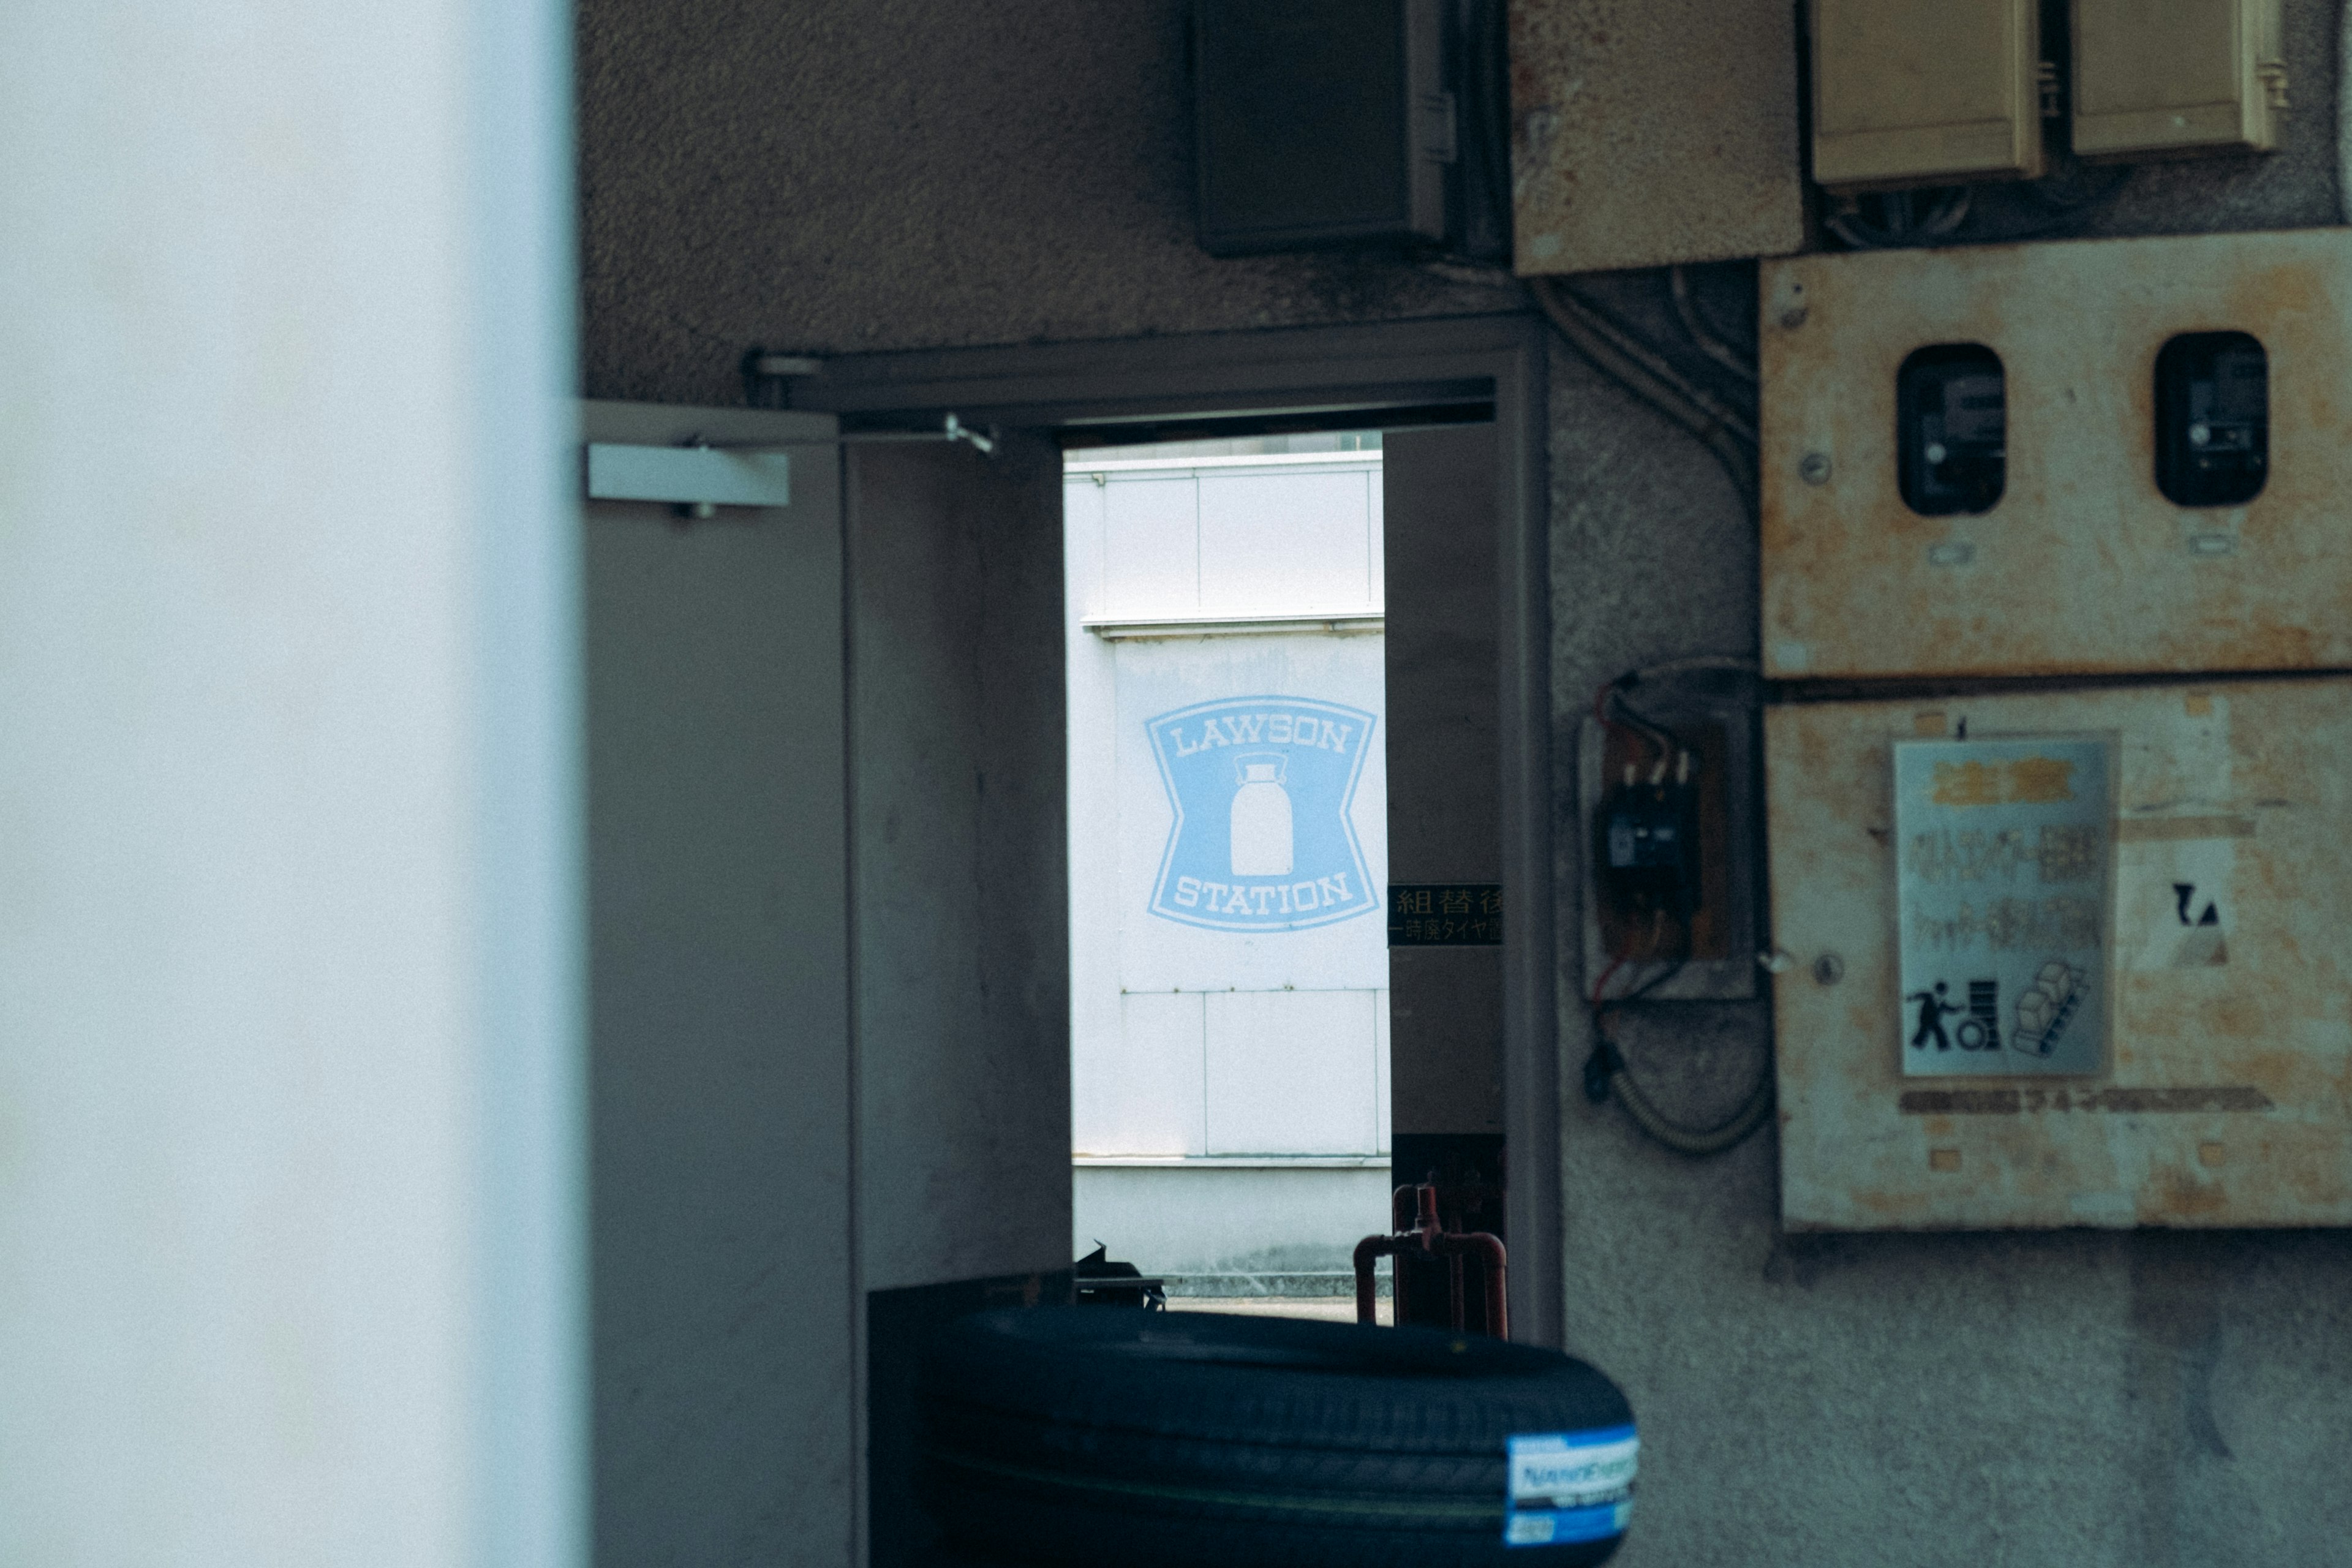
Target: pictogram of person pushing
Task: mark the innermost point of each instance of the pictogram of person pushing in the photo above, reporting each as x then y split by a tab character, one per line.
1932	1011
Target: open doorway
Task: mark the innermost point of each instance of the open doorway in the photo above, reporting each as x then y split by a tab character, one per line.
1228	863
1243	657
964	1129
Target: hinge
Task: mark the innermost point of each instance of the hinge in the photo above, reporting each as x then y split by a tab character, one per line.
1440	137
2271	74
2045	78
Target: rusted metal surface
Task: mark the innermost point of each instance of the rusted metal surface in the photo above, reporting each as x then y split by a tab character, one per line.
1649	131
2226	1095
1420	1233
2083	565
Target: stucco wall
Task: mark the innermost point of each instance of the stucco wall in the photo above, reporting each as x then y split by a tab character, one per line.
2090	1399
840	176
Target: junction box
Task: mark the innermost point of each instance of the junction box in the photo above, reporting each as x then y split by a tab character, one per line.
2215	1092
2055	584
2159	488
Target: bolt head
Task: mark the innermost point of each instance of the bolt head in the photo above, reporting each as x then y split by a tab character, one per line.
1793	316
1829	969
1813	468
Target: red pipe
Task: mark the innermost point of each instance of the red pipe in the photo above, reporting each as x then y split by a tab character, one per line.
1429	1240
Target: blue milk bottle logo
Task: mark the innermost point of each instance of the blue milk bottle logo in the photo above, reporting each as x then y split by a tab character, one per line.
1262	787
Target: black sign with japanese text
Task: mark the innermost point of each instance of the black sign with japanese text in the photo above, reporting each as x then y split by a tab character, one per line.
1445	915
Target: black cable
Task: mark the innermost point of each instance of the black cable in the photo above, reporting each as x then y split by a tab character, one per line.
1608	1074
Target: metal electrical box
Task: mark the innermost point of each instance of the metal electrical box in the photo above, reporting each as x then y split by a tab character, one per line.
2157	77
1926	92
1715	956
1653	133
2065	958
1320	123
2094	457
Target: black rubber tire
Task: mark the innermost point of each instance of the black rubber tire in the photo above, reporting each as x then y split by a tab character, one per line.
1083	1436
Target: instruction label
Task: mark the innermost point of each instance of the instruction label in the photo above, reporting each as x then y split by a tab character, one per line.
1445	915
2006	848
1571	1486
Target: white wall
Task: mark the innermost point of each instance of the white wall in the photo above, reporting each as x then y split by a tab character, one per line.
289	1142
1194	1039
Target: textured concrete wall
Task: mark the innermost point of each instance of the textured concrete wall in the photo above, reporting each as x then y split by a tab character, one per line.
2099	1400
840	176
958	839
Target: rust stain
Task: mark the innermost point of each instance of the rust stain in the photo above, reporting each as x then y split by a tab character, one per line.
2027	781
2180	829
2041	781
2182	1196
1626	175
2233	1098
1966	784
2113	1101
2197	704
1962	1102
1943	1158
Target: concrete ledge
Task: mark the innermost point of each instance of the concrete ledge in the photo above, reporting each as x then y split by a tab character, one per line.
1315	1283
1201	1220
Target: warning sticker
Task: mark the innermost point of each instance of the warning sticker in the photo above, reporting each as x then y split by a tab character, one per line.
2004	919
1571	1486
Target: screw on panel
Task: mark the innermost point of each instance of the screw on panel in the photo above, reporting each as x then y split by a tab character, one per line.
1814	468
1829	969
1791	305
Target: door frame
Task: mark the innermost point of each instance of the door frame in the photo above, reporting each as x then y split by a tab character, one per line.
1366	368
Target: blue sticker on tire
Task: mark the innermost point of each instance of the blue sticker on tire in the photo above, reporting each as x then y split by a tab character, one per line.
1569	1486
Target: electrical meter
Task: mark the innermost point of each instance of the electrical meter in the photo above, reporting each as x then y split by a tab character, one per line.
2212	419
1951	410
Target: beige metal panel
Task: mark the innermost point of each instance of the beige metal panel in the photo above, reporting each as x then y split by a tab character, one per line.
1923	92
1653	132
2082	566
2227	1097
2153	77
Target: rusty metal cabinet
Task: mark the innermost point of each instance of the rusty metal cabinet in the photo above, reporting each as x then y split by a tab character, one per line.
2222	1094
2083	565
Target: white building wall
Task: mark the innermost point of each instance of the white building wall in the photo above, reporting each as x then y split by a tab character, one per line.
290	1208
1205	1040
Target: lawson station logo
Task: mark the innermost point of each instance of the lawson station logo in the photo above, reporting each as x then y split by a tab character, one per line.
1261	788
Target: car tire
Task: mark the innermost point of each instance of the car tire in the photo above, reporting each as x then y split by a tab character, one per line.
1083	1436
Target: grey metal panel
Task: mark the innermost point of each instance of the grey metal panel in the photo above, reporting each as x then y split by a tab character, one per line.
959	798
1645	134
724	1299
1446	1030
1394	364
688	475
